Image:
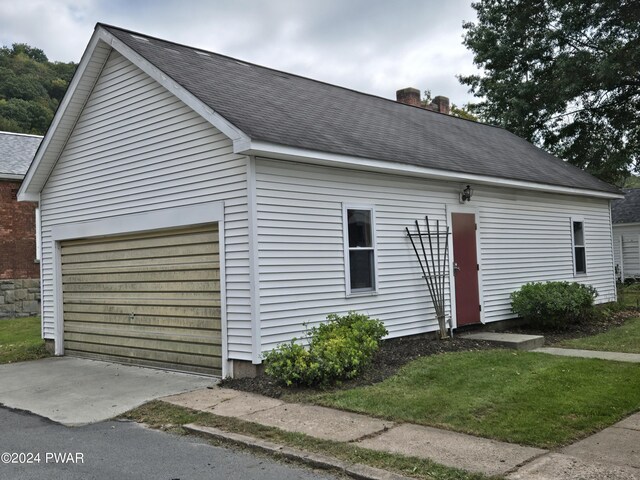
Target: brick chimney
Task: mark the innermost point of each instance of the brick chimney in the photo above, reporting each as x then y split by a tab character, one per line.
442	104
409	96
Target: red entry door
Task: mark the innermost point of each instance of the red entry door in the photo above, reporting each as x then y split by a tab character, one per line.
465	266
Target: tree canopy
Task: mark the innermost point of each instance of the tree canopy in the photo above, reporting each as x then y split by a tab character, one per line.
31	88
564	74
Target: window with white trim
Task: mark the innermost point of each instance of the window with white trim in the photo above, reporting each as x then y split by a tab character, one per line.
360	254
579	250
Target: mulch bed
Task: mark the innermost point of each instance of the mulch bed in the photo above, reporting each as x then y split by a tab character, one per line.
396	352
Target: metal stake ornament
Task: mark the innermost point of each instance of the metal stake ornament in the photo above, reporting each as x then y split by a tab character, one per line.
436	264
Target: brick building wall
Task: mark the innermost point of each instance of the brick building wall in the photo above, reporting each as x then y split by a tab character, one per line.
19	272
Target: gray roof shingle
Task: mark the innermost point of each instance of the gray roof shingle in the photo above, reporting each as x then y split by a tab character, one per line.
290	110
627	209
16	152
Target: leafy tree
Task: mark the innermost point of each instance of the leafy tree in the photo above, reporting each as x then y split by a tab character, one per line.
466	111
24	49
632	182
31	88
564	74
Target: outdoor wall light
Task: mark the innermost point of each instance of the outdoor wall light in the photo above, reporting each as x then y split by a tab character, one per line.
466	194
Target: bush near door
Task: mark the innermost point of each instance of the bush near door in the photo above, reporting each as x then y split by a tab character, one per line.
554	304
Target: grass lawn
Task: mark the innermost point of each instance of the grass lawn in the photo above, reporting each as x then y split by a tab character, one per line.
521	397
625	338
20	340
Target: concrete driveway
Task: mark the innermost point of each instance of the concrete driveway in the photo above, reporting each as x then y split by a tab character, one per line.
75	391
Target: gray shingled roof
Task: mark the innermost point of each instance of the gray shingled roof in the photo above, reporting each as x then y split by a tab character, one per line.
290	110
16	152
627	210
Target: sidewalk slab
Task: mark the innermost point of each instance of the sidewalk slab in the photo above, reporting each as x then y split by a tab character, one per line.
619	446
202	399
556	466
570	352
244	404
319	422
632	422
508	340
224	401
452	449
316	460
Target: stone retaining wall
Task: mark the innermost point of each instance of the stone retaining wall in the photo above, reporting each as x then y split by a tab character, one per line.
19	297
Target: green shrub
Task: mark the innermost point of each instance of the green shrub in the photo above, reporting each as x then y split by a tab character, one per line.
292	364
554	304
338	349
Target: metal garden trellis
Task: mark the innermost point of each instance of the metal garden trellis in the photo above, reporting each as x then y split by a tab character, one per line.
436	264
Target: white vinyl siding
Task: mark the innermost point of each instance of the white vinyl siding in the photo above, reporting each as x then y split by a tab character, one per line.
626	244
523	236
526	237
136	148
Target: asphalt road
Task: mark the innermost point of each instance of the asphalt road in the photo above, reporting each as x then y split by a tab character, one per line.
123	450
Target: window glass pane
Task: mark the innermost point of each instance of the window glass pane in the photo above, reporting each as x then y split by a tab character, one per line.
578	233
359	228
361	265
581	262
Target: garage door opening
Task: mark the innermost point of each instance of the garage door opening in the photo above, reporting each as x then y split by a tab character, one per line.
148	298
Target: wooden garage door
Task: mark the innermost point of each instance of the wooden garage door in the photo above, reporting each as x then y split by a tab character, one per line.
149	299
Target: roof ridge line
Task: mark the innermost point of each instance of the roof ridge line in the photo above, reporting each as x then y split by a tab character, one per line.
322	82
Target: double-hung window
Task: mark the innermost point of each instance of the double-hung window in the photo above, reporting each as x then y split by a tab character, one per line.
360	254
579	252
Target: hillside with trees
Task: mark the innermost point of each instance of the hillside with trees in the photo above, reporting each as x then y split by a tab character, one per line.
31	88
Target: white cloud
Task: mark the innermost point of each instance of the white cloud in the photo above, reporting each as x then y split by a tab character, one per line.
376	46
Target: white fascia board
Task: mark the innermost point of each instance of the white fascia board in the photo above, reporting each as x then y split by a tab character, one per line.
26	193
11	176
282	152
217	120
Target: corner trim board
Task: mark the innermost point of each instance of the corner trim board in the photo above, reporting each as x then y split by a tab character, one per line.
254	273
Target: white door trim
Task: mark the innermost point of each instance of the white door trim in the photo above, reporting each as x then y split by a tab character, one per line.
464	208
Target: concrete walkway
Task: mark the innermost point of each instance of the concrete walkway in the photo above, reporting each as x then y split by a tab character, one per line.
447	448
571	352
613	453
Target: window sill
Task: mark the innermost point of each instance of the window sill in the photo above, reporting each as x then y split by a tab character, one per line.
368	293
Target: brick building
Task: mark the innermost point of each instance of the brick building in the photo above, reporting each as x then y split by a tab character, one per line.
19	260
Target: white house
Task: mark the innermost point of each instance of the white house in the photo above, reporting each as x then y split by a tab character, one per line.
625	214
197	210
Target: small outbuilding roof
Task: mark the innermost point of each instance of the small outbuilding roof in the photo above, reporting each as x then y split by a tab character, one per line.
627	210
16	153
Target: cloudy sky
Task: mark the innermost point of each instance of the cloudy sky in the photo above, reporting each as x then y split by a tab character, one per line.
375	46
